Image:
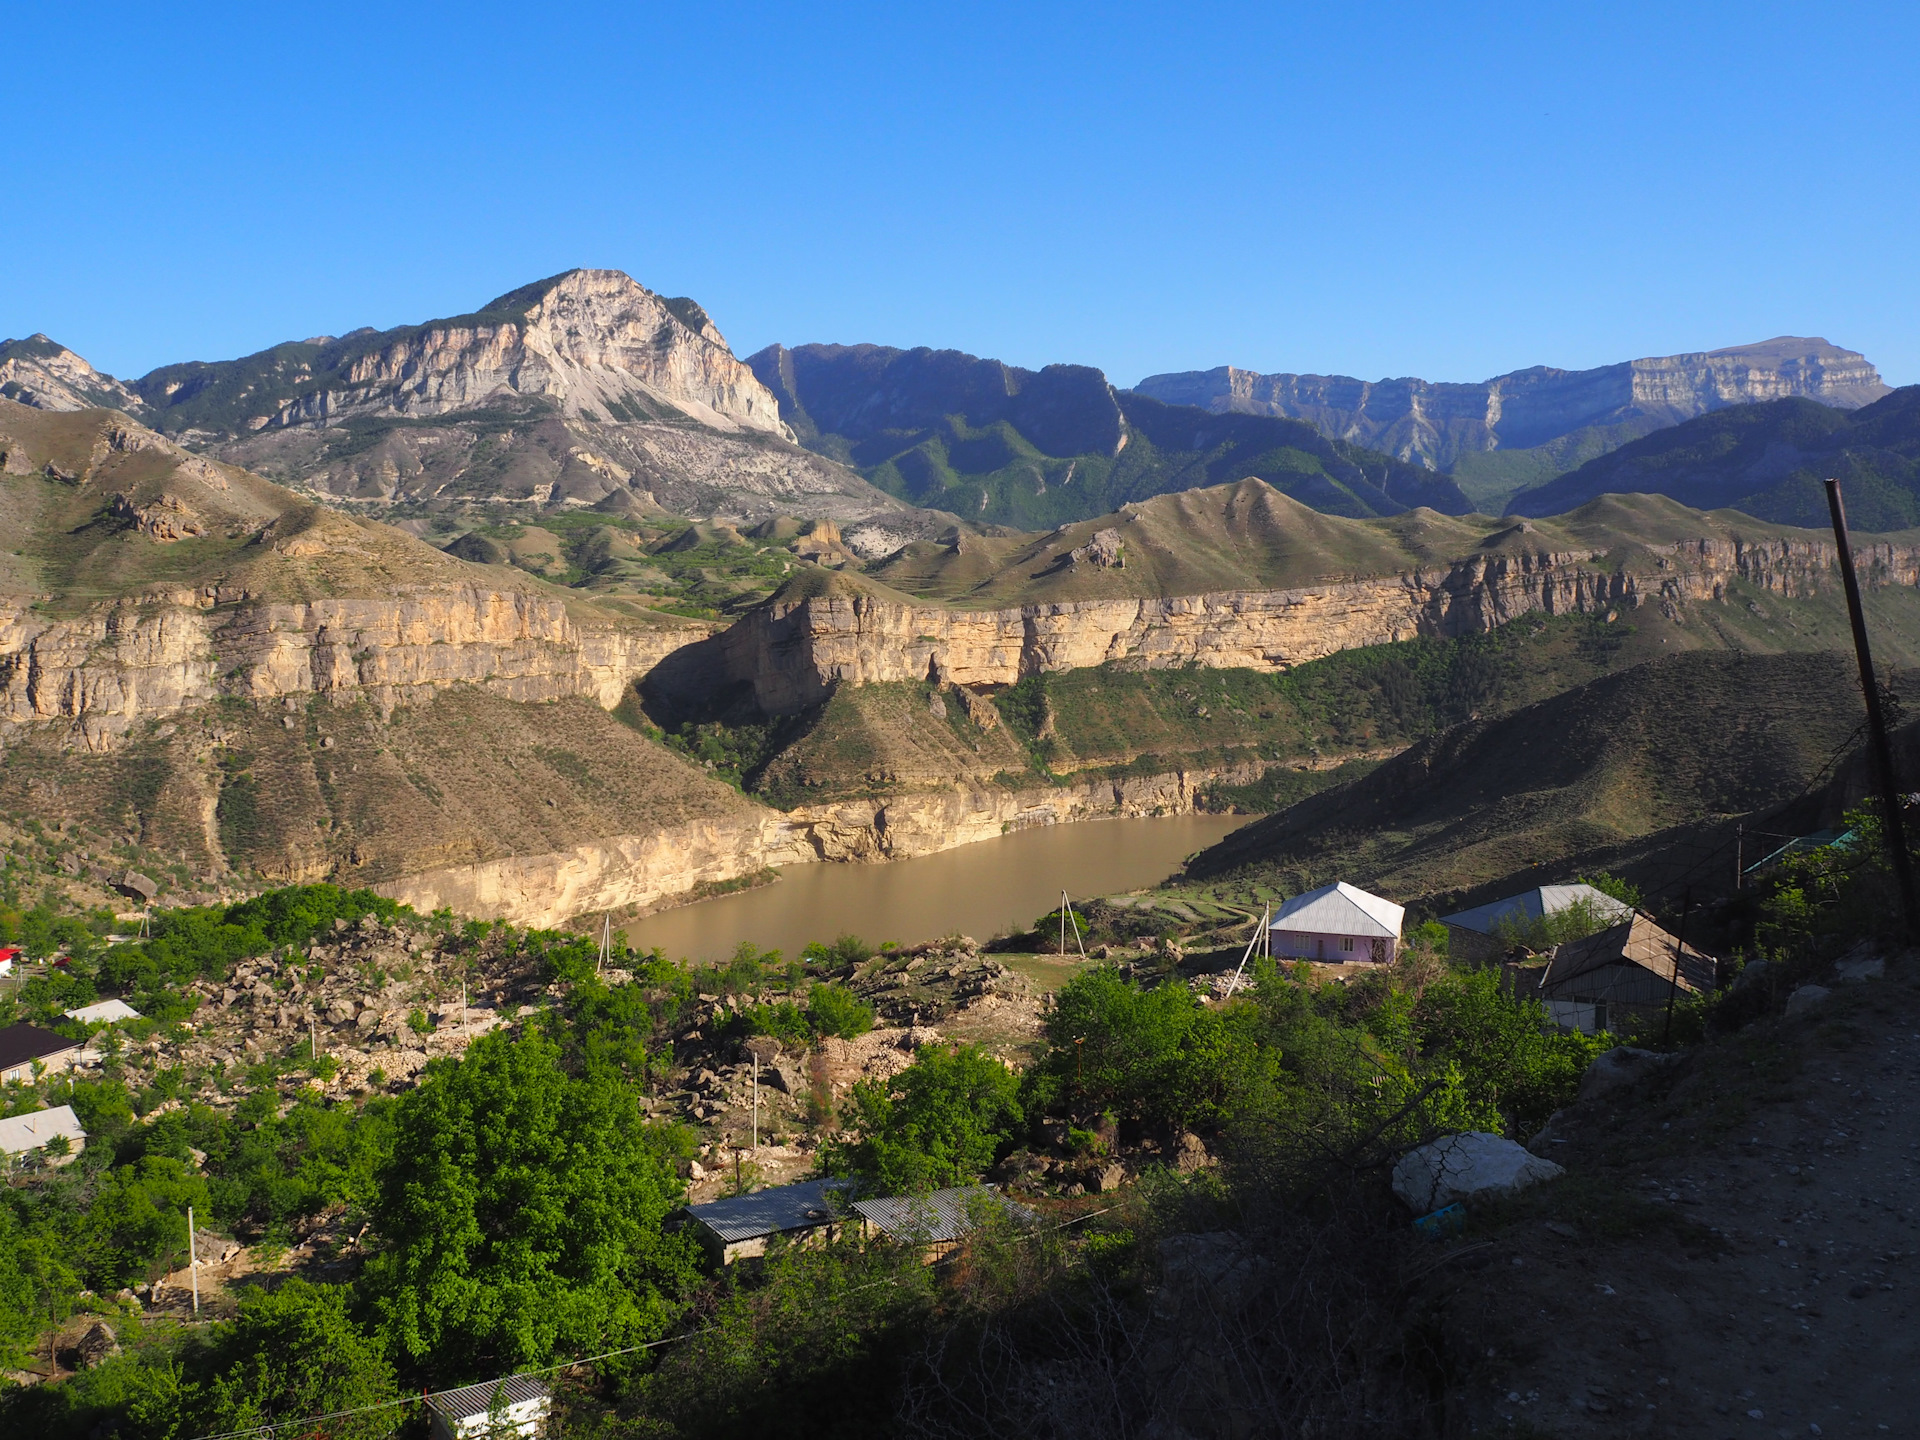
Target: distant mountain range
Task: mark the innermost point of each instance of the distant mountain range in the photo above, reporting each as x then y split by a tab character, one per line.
1524	427
1767	460
1033	449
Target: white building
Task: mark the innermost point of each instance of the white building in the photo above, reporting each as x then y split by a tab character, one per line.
105	1013
469	1412
22	1133
1337	923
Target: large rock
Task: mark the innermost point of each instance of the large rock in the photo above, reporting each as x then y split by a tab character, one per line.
1620	1067
1806	1000
1474	1165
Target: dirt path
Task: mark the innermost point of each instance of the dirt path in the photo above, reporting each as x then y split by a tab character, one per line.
1733	1251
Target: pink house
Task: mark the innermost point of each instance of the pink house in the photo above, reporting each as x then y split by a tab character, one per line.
1336	924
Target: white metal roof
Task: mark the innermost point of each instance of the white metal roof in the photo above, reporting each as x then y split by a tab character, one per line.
939	1215
104	1012
1341	909
1541	901
471	1400
769	1212
21	1133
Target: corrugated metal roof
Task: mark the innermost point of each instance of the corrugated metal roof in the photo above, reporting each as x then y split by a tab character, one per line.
940	1215
106	1010
21	1133
1341	909
768	1212
20	1044
1638	942
1533	904
471	1400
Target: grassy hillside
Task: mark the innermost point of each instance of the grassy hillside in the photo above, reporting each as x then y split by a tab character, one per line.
1766	460
1247	536
1676	742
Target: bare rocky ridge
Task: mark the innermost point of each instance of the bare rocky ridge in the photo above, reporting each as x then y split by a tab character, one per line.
40	372
1436	423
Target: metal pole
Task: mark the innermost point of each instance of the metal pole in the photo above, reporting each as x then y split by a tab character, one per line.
1740	856
1896	830
193	1261
756	1102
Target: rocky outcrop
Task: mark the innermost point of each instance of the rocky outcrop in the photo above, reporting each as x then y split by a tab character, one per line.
115	666
1435	424
45	374
594	341
792	651
666	865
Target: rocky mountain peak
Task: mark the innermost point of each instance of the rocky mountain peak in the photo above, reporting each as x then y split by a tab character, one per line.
44	374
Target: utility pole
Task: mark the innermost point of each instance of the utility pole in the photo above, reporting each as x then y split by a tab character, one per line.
1740	856
1891	820
756	1102
193	1261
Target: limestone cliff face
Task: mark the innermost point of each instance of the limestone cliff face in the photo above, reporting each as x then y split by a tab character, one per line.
793	652
48	376
115	666
1435	424
661	866
596	341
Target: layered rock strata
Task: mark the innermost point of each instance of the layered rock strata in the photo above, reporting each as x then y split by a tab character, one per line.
792	652
115	666
642	871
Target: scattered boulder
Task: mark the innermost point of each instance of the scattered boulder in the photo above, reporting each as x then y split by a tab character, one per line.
1217	1264
136	886
1805	1000
1858	968
1751	974
1190	1153
1473	1165
99	1343
1620	1067
1109	1178
1105	549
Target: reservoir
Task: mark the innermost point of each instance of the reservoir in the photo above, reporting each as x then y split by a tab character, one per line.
992	887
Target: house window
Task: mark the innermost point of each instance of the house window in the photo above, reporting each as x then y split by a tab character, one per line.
1346	942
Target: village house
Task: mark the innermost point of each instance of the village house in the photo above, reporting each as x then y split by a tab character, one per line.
938	1221
740	1227
1337	924
106	1012
21	1134
21	1046
1481	936
514	1405
1631	971
8	955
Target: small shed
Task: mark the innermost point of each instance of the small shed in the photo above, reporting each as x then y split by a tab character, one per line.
1626	972
22	1045
523	1405
937	1221
1474	935
8	954
20	1134
1337	923
740	1227
106	1012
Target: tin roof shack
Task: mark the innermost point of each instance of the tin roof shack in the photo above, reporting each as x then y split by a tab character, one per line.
1486	933
939	1221
1337	923
523	1406
106	1012
734	1229
1624	973
20	1134
22	1045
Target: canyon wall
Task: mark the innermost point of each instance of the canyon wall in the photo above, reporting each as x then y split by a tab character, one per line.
792	652
645	871
114	666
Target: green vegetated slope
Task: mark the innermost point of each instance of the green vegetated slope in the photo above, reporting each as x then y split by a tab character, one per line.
1248	536
1302	725
1767	460
1676	742
1490	478
995	443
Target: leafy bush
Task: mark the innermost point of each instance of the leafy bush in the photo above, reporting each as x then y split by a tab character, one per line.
942	1121
834	1010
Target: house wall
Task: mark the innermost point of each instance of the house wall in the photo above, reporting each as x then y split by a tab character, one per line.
54	1065
1332	949
1608	998
1472	947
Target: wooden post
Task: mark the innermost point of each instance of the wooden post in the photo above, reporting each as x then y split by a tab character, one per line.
1891	821
1740	856
1679	948
193	1261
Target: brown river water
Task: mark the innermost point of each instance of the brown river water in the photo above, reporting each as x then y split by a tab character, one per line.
988	888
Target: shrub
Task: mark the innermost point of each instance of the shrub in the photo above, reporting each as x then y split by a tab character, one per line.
941	1121
834	1010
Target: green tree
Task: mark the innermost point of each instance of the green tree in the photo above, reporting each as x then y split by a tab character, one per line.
941	1121
295	1351
521	1208
139	1215
834	1010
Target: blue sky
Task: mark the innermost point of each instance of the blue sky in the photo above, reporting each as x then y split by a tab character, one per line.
1448	191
